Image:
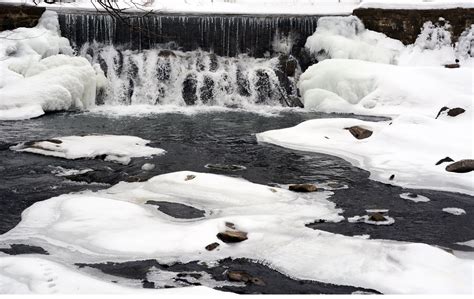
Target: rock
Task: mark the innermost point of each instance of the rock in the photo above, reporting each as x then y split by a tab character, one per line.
190	177
148	284
391	177
359	133
242	276
263	86
377	217
212	246
461	166
288	65
190	89
303	188
166	53
232	236
452	66
441	111
447	159
412	195
148	166
230	225
455	111
206	92
213	62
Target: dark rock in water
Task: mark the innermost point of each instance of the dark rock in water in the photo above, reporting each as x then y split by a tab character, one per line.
207	90
177	210
441	111
135	179
242	276
17	249
243	84
461	166
294	101
455	111
303	188
232	236
166	53
412	195
214	62
377	217
444	160
452	66
288	65
263	86
190	89
163	70
99	176
225	167
359	132
212	246
392	177
148	284
34	143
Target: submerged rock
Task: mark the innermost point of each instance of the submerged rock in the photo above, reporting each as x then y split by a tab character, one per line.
461	166
232	236
303	188
359	132
242	276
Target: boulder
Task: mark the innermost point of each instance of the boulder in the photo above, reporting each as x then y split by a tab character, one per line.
359	132
452	66
444	160
303	188
166	53
242	276
441	111
233	236
190	89
377	217
190	177
461	166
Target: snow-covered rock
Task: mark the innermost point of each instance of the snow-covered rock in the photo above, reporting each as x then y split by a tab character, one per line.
115	148
115	224
416	4
454	211
39	73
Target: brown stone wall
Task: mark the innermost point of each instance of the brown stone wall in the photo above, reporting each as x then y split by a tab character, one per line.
12	17
405	25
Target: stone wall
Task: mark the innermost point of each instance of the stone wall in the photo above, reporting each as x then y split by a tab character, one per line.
405	25
12	17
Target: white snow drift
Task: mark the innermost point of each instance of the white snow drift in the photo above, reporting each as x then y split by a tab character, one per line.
116	148
38	73
115	224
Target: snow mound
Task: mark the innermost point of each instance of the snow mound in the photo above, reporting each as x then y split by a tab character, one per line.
416	4
346	37
115	224
115	148
454	211
407	147
35	275
39	74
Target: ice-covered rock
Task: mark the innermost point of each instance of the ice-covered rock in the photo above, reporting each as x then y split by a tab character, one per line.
455	211
114	148
39	73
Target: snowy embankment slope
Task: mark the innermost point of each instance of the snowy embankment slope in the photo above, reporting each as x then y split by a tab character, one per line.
116	224
409	146
39	73
416	4
114	148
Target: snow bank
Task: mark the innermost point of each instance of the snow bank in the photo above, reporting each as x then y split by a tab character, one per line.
35	275
115	148
114	224
346	37
454	211
39	74
416	4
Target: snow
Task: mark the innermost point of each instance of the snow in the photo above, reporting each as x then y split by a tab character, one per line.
467	243
346	37
417	198
39	74
455	211
148	166
366	219
304	7
115	224
116	148
416	4
37	275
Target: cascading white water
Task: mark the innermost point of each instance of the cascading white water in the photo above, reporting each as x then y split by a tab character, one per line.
159	77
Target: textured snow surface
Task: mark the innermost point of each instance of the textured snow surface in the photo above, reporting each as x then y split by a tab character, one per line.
115	224
38	275
346	37
37	73
116	148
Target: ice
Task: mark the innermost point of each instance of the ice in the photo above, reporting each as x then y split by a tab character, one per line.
39	74
414	197
116	225
37	275
115	148
365	219
455	211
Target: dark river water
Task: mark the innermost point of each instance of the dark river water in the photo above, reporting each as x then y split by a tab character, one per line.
192	141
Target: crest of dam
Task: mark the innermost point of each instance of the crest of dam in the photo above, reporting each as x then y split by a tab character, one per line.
215	60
